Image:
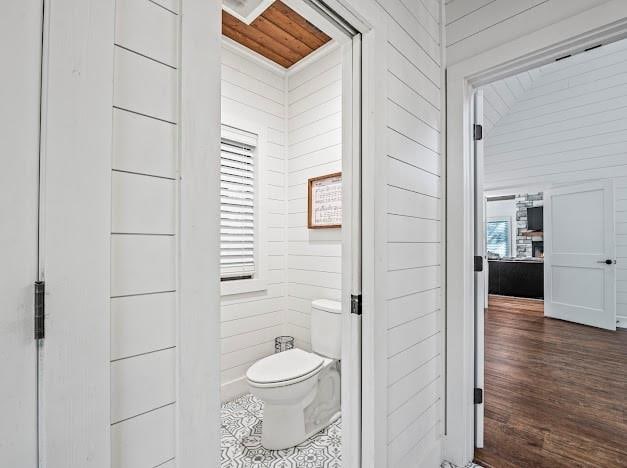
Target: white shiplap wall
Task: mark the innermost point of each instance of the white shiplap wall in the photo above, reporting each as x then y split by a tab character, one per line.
143	234
254	95
569	126
413	279
314	149
500	96
474	26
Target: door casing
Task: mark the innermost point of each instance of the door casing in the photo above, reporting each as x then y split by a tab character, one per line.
602	24
480	276
21	31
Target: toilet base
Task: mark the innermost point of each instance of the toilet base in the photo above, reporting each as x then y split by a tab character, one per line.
289	423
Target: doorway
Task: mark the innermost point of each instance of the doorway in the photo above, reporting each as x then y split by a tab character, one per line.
533	244
291	98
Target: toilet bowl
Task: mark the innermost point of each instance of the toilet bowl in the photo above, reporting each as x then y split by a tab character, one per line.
301	389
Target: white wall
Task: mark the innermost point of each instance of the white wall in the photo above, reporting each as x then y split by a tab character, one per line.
314	149
412	227
144	235
253	98
299	264
474	26
500	96
568	127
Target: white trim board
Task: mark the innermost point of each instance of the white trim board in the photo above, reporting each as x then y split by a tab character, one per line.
313	57
75	217
234	388
198	374
604	23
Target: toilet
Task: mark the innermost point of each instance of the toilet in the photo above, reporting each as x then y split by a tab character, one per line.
301	390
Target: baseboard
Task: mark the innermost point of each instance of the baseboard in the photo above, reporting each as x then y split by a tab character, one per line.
621	321
231	390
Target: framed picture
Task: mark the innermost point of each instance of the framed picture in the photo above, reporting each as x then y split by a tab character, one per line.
324	201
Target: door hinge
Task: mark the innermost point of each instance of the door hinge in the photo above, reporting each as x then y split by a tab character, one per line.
478	263
356	304
40	310
478	396
477	132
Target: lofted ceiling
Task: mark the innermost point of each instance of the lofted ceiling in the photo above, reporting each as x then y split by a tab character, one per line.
499	97
279	34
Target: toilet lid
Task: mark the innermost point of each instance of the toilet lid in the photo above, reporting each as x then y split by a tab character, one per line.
285	366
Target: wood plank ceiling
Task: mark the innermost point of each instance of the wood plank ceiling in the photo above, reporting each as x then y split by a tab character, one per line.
279	34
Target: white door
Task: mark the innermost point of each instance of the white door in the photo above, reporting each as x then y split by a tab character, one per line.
579	254
20	50
480	276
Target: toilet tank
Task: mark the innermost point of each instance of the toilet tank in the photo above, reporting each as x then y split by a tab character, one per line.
326	328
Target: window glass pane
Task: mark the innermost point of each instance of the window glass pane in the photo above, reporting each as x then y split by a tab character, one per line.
498	235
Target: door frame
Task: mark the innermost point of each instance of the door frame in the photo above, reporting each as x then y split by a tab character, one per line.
20	119
74	232
201	65
480	276
601	24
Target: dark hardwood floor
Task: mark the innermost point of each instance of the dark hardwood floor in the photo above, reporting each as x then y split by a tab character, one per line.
555	391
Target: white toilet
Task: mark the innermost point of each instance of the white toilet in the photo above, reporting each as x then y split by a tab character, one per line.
301	390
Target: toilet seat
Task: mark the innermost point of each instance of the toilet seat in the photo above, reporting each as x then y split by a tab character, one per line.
286	368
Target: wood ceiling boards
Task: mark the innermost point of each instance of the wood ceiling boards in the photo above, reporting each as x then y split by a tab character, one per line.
279	34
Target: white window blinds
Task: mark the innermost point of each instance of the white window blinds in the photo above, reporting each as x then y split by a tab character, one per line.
237	204
499	237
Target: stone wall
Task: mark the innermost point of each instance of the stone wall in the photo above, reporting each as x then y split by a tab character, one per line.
523	241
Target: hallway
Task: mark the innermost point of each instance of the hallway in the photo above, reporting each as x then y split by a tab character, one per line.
554	390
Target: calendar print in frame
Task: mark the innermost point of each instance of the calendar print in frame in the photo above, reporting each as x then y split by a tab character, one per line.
324	201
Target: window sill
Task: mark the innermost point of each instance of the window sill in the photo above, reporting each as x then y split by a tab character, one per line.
229	288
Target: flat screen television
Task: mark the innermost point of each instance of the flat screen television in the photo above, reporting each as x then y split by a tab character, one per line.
535	218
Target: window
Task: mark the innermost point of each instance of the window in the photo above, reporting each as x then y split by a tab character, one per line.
237	204
499	237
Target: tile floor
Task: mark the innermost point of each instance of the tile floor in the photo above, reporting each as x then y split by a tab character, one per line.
450	465
241	441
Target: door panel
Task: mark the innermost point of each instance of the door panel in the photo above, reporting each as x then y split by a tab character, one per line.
20	46
74	247
480	276
579	238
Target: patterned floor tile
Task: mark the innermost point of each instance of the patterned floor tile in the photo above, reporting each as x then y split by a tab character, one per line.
447	464
241	447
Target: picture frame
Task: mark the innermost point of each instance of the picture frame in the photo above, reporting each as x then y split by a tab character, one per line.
324	201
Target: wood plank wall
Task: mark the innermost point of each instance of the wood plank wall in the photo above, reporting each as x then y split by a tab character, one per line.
473	26
570	126
315	148
143	233
249	322
414	191
499	97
